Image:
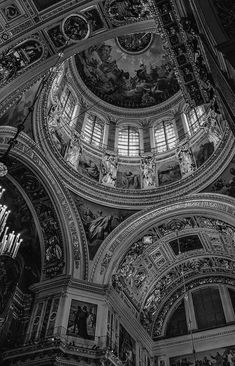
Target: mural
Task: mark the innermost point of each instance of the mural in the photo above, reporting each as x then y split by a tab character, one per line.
128	179
203	151
94	18
121	78
122	12
13	61
82	320
127	351
169	173
217	357
98	222
18	112
225	184
56	36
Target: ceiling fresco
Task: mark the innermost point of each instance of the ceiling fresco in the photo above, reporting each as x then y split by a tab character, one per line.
99	221
131	71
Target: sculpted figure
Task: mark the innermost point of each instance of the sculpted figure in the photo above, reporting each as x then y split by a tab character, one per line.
147	168
109	170
185	158
74	152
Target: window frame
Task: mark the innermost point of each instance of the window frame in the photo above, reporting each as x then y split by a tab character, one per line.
89	135
169	142
132	150
199	119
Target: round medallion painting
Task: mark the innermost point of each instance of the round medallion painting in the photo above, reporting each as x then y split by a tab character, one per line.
130	71
76	28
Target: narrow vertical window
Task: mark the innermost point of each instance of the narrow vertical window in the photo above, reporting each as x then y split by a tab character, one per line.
128	141
94	130
68	102
164	135
195	118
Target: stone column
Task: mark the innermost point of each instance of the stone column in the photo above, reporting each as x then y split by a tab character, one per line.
227	304
189	312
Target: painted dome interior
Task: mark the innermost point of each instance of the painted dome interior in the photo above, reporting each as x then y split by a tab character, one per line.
123	152
131	71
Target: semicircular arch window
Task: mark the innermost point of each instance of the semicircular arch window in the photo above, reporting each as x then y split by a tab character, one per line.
128	141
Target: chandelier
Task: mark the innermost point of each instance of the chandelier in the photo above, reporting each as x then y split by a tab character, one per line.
9	242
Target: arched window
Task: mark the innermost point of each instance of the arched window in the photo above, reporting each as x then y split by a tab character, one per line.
177	324
164	136
94	130
68	102
128	141
208	308
195	118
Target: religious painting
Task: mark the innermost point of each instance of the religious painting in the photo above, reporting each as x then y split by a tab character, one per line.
82	320
17	113
94	18
99	221
185	244
225	184
89	166
14	60
56	36
218	357
122	12
203	151
127	347
169	173
131	71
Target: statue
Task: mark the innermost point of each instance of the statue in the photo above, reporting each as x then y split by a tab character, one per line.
74	151
185	158
109	170
212	129
147	168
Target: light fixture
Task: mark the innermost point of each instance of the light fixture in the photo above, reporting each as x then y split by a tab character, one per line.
9	243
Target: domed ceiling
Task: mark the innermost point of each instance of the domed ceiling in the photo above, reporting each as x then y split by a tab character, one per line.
131	71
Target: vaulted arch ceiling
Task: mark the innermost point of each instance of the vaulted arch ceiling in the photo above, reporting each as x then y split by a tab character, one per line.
164	251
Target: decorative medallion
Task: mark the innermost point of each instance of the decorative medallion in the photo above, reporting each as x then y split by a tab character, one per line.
135	43
76	28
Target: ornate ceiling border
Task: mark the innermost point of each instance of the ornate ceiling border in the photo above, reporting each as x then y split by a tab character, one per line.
119	241
74	239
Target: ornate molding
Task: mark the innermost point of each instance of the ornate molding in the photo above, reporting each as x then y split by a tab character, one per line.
74	240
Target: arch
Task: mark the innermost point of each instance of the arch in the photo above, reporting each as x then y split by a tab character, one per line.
119	241
73	235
